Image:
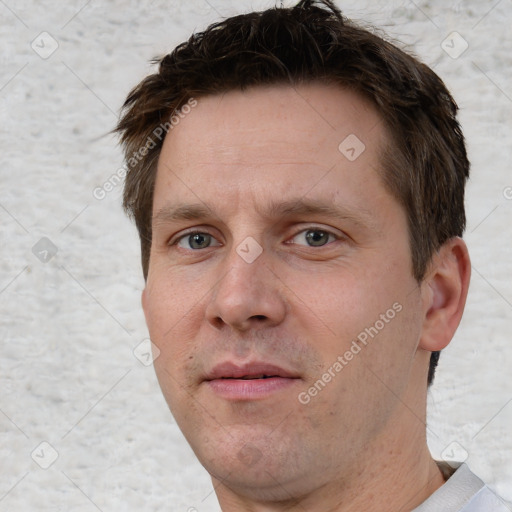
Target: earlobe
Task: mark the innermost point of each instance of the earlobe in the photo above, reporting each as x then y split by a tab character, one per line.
446	289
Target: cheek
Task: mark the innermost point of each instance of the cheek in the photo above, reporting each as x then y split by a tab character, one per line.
170	316
391	340
169	300
173	316
342	302
373	314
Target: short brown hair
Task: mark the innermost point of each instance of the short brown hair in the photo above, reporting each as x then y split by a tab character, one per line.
425	167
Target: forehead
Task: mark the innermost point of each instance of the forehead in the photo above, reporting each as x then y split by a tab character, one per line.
312	137
275	114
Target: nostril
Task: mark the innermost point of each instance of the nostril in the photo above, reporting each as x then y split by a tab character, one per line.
259	317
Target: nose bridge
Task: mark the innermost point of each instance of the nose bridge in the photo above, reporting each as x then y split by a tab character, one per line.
246	258
245	273
247	292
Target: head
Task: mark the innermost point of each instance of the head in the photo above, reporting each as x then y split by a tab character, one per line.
241	137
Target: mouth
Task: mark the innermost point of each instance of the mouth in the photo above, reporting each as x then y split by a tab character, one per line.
250	381
252	377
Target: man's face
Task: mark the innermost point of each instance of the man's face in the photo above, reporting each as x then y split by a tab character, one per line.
299	257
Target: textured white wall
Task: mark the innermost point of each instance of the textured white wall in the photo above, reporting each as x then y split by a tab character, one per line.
68	327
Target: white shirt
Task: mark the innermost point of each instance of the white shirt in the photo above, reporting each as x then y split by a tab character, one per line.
463	492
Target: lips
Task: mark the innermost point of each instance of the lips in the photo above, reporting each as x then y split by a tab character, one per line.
250	381
248	371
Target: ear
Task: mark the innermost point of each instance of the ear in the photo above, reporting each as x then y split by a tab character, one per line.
444	293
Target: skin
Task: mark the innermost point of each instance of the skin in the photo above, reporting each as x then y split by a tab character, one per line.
360	443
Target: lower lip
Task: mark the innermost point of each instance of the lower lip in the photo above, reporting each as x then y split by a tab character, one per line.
250	389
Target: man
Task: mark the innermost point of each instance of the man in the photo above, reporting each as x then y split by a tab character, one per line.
298	187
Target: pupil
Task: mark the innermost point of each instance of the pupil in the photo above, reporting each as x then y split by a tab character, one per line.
317	237
199	241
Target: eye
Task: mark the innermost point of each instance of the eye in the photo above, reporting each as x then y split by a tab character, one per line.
196	240
313	237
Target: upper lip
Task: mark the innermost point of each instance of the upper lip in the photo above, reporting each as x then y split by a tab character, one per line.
231	370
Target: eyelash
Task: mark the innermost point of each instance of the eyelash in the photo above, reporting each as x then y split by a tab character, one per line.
309	228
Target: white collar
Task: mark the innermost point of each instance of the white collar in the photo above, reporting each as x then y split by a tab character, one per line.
455	493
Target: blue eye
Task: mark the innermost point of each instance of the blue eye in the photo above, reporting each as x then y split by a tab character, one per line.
314	237
196	241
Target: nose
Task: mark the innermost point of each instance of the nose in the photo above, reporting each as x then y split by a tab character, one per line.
249	296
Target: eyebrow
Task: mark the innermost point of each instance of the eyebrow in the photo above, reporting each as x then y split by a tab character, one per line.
174	213
303	206
274	209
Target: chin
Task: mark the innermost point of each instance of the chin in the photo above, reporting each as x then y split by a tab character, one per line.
254	467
